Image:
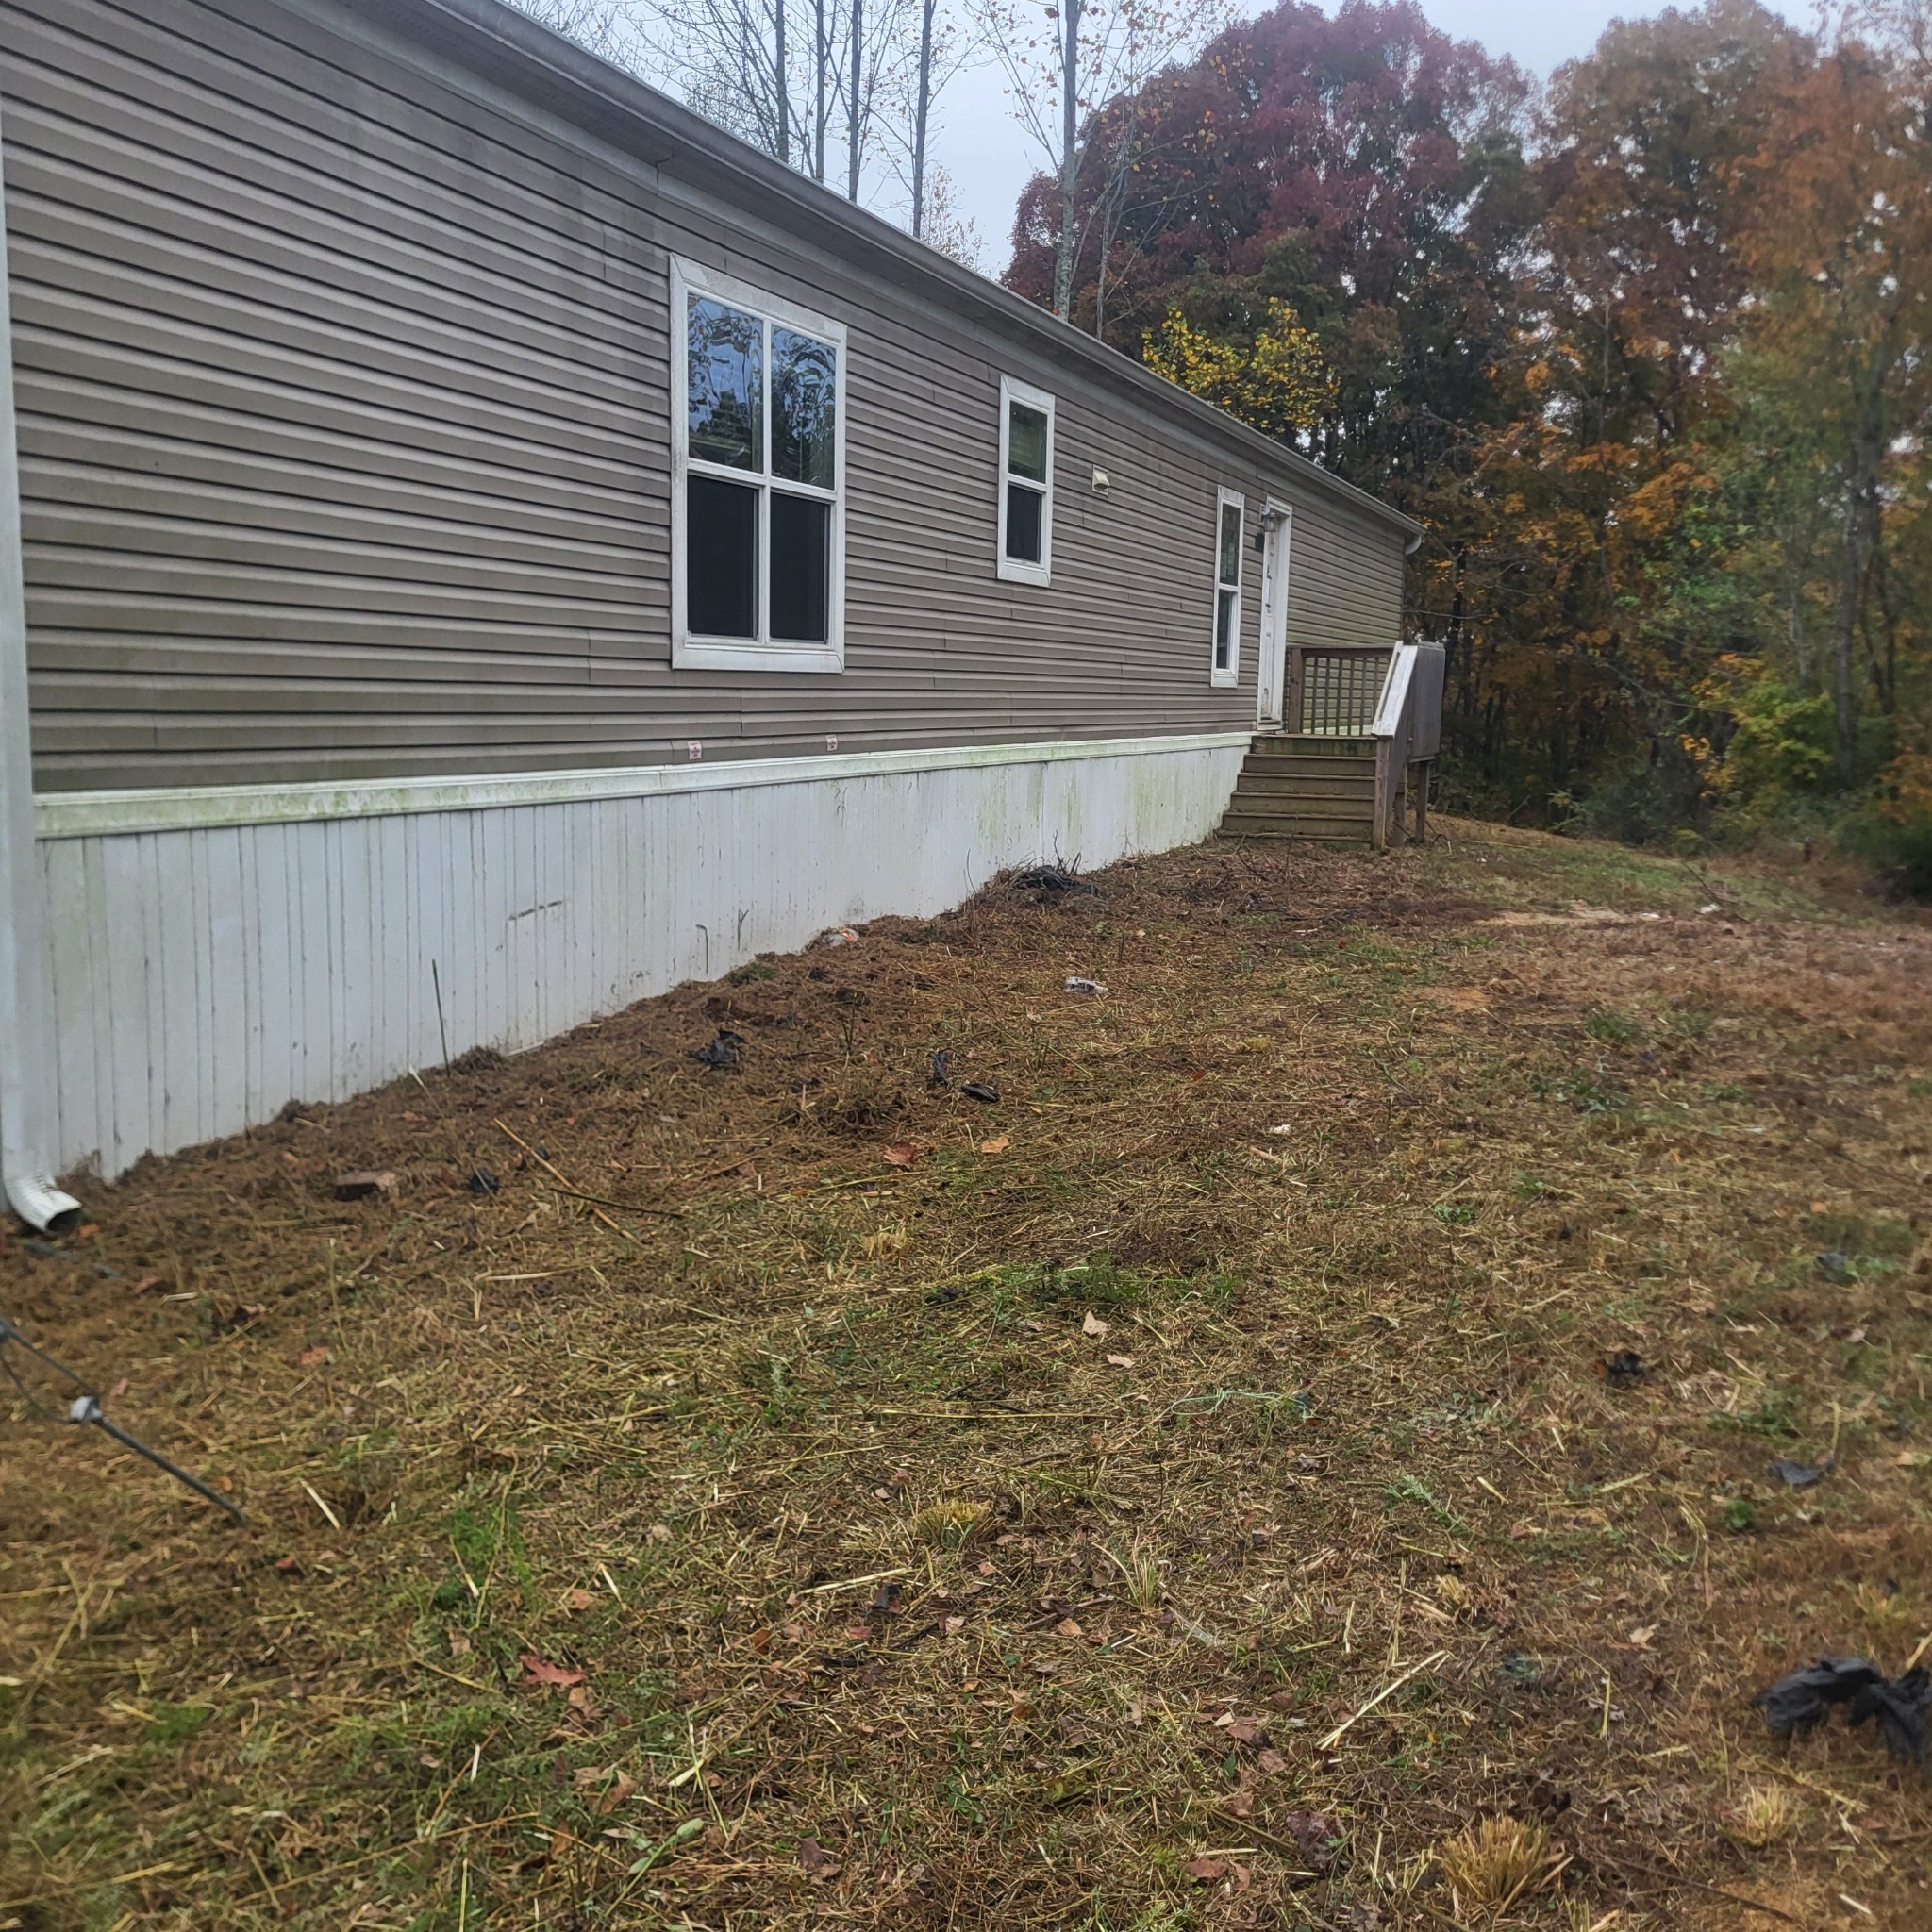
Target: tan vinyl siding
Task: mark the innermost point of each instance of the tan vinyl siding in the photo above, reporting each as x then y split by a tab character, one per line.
342	397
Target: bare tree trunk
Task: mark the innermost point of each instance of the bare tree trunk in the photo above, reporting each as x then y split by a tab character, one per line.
1844	710
854	138
781	86
822	59
1794	630
1863	512
921	108
1070	163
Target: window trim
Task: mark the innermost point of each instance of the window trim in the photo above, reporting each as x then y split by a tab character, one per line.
1013	570
1219	679
692	651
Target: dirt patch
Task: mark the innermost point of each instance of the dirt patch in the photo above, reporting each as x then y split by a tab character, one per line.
1302	1454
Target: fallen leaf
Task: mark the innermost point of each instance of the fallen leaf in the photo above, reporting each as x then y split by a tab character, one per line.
119	1389
583	1702
143	1283
579	1599
658	1533
1314	1834
1093	1325
539	1670
811	1855
362	1184
998	1144
1206	1870
1067	1627
1639	1638
953	1625
314	1358
1244	1730
903	1154
1120	1361
1273	1762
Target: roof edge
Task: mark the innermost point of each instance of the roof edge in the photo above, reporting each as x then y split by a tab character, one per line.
688	144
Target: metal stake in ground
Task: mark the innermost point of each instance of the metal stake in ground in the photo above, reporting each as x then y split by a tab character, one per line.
86	1407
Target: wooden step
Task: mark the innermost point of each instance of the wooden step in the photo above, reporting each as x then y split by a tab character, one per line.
1310	767
1310	746
1279	825
1312	833
1307	785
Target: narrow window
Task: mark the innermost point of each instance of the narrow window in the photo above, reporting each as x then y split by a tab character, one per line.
1229	509
1025	516
758	488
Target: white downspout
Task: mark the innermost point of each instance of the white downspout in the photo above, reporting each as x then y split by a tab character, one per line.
24	1001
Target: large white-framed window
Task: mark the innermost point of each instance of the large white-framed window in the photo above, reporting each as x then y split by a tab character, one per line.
758	486
1231	514
1025	552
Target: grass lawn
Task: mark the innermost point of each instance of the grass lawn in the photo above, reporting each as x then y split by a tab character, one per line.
1301	1454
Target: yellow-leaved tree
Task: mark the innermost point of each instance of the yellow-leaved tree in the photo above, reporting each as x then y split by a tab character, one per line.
1275	381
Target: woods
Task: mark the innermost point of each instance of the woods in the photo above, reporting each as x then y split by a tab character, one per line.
1644	348
1645	351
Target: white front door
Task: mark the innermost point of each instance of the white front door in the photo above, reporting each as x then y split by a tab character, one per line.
1272	670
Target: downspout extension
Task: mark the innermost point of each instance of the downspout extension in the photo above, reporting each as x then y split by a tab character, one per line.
28	1179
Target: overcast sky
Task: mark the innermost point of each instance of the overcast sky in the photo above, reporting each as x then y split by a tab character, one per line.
991	159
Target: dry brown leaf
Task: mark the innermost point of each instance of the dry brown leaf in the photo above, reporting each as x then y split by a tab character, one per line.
1120	1361
315	1358
998	1144
1067	1627
1206	1870
539	1670
811	1855
1093	1325
903	1154
578	1599
619	1788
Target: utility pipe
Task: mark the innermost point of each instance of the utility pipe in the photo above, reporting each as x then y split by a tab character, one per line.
24	1001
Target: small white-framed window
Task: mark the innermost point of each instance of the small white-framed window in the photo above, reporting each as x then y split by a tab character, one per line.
758	488
1025	552
1230	511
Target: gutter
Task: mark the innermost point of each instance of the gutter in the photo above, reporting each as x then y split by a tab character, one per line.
508	48
24	992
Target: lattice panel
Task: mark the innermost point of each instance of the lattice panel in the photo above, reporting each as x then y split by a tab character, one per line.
1340	691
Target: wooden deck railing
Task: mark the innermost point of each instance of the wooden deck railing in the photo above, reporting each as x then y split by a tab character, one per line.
1333	689
1390	693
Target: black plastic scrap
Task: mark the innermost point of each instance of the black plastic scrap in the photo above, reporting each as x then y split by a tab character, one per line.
1623	1368
1801	1702
1801	1475
1047	878
974	1090
722	1052
936	1075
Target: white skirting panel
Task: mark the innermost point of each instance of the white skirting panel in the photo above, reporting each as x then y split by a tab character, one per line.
205	974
